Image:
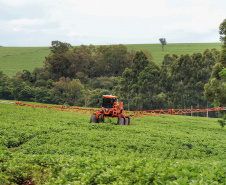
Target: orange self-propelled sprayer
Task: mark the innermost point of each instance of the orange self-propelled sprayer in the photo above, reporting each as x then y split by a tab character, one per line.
110	108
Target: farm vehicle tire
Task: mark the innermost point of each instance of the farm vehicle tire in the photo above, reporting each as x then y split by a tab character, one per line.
127	121
100	118
121	121
93	119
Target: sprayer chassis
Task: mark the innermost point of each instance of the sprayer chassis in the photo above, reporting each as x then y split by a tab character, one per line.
110	108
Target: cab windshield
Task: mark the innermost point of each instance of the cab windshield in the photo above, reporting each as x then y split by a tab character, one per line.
108	102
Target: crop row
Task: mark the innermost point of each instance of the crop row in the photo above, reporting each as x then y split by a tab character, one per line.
98	169
48	146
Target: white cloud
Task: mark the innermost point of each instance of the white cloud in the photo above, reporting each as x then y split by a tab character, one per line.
203	18
17	25
24	21
121	8
14	2
77	34
111	21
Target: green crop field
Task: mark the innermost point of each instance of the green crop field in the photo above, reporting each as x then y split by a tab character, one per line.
14	59
42	146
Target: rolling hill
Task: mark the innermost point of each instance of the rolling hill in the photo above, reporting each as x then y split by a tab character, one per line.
14	59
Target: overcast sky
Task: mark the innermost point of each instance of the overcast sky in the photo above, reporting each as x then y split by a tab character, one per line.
38	22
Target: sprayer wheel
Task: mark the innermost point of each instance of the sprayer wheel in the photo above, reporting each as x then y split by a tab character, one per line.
100	118
127	121
121	121
93	119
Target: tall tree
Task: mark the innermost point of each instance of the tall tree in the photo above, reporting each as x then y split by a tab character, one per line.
126	82
165	71
129	81
112	60
163	42
83	61
149	87
222	32
188	76
60	47
223	73
74	91
140	61
165	79
4	88
58	65
216	88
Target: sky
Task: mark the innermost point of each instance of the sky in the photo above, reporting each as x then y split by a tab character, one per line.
104	22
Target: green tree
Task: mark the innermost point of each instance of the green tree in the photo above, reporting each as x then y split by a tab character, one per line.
111	60
129	90
87	61
139	84
223	73
140	61
5	92
222	32
180	76
216	88
165	72
188	77
74	91
43	95
60	47
126	82
20	90
104	82
60	89
96	98
67	91
58	65
83	61
149	88
163	42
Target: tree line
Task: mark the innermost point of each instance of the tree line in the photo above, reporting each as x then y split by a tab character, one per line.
73	76
79	76
178	82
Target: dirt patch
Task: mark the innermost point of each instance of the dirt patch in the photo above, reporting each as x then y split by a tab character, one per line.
28	182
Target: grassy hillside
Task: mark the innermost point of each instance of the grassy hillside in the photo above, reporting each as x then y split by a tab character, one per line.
14	59
53	147
189	48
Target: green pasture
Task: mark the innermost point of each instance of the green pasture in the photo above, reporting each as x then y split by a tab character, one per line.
178	49
14	59
43	146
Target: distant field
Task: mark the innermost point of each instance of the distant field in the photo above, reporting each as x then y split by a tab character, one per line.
14	59
158	54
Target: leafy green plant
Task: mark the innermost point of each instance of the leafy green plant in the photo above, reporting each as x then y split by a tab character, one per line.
45	146
222	121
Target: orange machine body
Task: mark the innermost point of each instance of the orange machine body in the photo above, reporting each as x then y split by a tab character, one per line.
110	108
